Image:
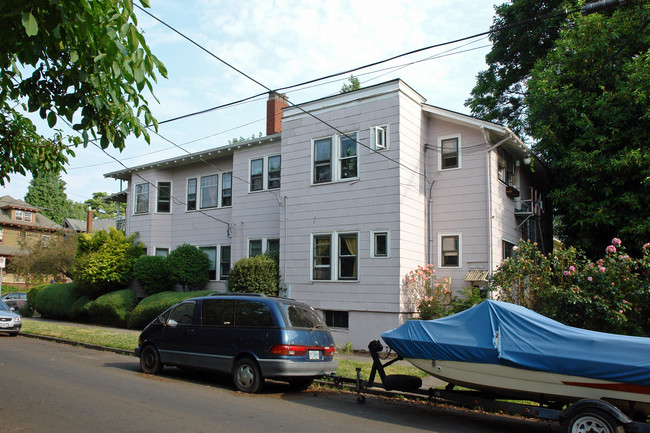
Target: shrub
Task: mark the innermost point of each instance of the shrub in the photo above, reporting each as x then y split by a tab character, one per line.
254	275
104	261
111	309
61	301
151	272
609	295
151	307
188	266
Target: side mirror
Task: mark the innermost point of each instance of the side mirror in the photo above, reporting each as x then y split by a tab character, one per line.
12	308
172	323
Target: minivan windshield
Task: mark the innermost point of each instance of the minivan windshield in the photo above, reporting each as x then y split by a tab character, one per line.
300	316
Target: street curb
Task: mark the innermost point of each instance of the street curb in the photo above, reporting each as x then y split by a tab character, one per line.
77	343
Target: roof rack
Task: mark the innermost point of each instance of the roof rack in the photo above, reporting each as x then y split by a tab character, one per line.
257	295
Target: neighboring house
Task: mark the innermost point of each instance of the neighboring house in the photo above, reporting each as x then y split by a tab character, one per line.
353	191
21	223
89	225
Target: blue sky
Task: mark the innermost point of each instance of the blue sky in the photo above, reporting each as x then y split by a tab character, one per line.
281	43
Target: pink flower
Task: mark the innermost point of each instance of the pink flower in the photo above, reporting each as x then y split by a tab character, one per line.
572	268
602	269
590	279
616	242
567	273
646	246
610	249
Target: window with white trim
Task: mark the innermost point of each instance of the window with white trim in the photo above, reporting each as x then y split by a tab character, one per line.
274	170
257	174
27	217
161	252
506	167
209	191
379	244
449	152
379	137
191	194
1	234
336	319
18	215
450	250
141	204
335	256
339	150
508	248
163	202
254	247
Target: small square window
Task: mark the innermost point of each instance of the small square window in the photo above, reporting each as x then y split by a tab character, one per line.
508	249
379	244
162	252
379	136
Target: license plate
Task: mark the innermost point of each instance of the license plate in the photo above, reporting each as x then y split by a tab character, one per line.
314	354
6	325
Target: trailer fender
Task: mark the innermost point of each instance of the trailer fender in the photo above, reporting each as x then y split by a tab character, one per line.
584	405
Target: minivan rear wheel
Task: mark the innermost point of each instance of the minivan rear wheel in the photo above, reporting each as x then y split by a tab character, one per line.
150	360
247	376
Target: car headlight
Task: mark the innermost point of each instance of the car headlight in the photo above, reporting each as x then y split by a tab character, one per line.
17	319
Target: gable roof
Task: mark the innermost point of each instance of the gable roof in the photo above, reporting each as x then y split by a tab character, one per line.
80	225
39	222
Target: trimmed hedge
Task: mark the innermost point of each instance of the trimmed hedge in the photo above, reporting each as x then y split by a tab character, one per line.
151	272
257	274
61	301
151	307
112	309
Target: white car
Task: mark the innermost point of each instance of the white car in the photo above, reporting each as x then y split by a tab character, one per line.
10	321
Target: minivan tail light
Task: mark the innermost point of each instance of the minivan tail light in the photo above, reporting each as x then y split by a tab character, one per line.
296	350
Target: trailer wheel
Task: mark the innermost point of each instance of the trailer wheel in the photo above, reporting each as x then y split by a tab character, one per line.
591	421
402	382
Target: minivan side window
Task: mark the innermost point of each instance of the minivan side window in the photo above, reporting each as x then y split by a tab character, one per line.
218	312
183	314
254	313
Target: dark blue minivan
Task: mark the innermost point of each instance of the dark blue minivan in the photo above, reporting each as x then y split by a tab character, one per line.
251	337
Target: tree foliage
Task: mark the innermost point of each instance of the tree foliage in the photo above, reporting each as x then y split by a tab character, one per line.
254	275
589	110
518	41
104	261
51	257
352	84
79	60
47	190
188	266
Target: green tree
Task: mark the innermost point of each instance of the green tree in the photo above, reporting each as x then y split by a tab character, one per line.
151	272
47	190
51	256
188	266
104	261
588	109
81	60
518	41
101	208
352	84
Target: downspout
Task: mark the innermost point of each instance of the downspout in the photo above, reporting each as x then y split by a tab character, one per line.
429	208
488	185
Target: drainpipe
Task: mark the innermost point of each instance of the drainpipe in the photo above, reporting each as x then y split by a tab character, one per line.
488	187
429	208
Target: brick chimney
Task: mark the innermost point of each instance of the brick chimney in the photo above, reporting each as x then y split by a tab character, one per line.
89	221
274	106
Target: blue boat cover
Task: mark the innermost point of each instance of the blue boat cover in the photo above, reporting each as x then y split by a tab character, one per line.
501	333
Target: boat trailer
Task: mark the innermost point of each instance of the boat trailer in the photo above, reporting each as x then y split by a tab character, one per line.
573	418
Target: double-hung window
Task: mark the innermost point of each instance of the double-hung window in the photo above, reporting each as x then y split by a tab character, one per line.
211	252
335	256
323	160
257	174
449	250
28	217
274	172
141	198
224	260
506	167
163	204
191	194
348	156
254	247
209	191
18	215
226	189
449	152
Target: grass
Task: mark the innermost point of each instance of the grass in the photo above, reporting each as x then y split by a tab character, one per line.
128	340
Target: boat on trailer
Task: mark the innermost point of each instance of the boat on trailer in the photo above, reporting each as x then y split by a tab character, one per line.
510	351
